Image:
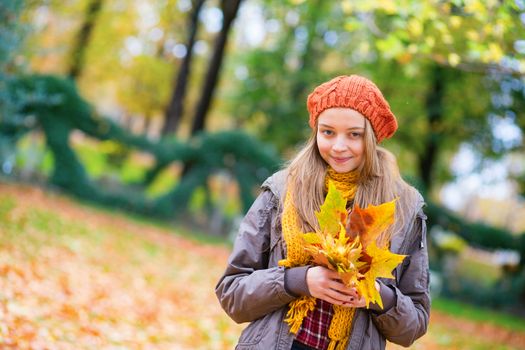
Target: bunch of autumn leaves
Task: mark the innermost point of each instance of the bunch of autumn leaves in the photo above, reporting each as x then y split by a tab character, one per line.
355	254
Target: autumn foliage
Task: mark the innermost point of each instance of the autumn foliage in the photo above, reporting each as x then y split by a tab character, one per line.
75	277
358	251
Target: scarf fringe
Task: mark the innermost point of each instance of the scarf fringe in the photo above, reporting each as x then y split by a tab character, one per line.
338	344
299	308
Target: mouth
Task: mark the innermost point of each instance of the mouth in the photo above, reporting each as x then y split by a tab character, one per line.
340	160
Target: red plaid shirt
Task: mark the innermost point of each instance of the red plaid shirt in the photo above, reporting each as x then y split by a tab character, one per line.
314	330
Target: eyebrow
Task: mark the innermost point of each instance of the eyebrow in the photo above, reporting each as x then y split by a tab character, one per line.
331	127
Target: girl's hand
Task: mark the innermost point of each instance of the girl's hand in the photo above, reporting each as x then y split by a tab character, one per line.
360	301
326	284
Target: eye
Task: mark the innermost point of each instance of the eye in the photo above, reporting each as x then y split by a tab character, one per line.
356	135
327	132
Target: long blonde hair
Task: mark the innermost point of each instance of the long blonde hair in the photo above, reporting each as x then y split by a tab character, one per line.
379	180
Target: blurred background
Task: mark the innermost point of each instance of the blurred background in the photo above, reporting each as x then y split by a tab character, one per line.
134	135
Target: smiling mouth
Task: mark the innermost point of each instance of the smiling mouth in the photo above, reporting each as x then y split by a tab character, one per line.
341	160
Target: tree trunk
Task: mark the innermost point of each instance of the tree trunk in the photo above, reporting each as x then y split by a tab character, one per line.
175	107
434	107
78	53
229	10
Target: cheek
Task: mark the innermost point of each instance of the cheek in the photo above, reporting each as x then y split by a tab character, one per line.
359	148
322	145
362	152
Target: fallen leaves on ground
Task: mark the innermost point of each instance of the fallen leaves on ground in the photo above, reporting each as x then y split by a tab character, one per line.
76	277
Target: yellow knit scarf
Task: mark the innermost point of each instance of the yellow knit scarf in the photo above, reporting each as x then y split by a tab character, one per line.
340	326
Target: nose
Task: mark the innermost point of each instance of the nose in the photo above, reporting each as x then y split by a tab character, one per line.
339	145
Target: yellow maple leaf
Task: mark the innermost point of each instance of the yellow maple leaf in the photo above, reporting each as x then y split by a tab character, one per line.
366	288
383	262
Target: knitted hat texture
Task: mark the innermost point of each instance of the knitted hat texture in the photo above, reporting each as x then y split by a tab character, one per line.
358	93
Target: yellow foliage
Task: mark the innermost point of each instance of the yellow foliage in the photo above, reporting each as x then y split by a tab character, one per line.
454	59
347	6
383	262
389	6
476	7
455	21
415	27
472	35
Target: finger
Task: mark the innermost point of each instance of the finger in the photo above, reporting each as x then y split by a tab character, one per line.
356	302
333	301
332	275
343	289
351	304
359	302
341	297
353	293
336	299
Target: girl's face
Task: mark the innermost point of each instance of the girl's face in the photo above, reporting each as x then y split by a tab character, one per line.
340	138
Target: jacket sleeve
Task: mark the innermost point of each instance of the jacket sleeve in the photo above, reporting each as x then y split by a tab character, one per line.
249	289
408	319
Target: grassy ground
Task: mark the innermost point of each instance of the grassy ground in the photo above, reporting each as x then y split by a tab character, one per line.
77	277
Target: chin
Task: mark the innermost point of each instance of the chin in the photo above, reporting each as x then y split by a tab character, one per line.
343	168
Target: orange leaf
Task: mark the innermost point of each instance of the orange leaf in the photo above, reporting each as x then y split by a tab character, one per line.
350	278
369	223
318	258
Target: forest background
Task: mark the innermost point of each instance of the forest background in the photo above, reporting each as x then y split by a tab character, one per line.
177	110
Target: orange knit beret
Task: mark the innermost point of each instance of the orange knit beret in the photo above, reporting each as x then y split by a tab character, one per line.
358	93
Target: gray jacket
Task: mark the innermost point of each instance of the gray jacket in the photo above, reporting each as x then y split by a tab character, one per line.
252	288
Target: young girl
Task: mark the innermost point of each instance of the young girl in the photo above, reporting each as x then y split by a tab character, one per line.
269	280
